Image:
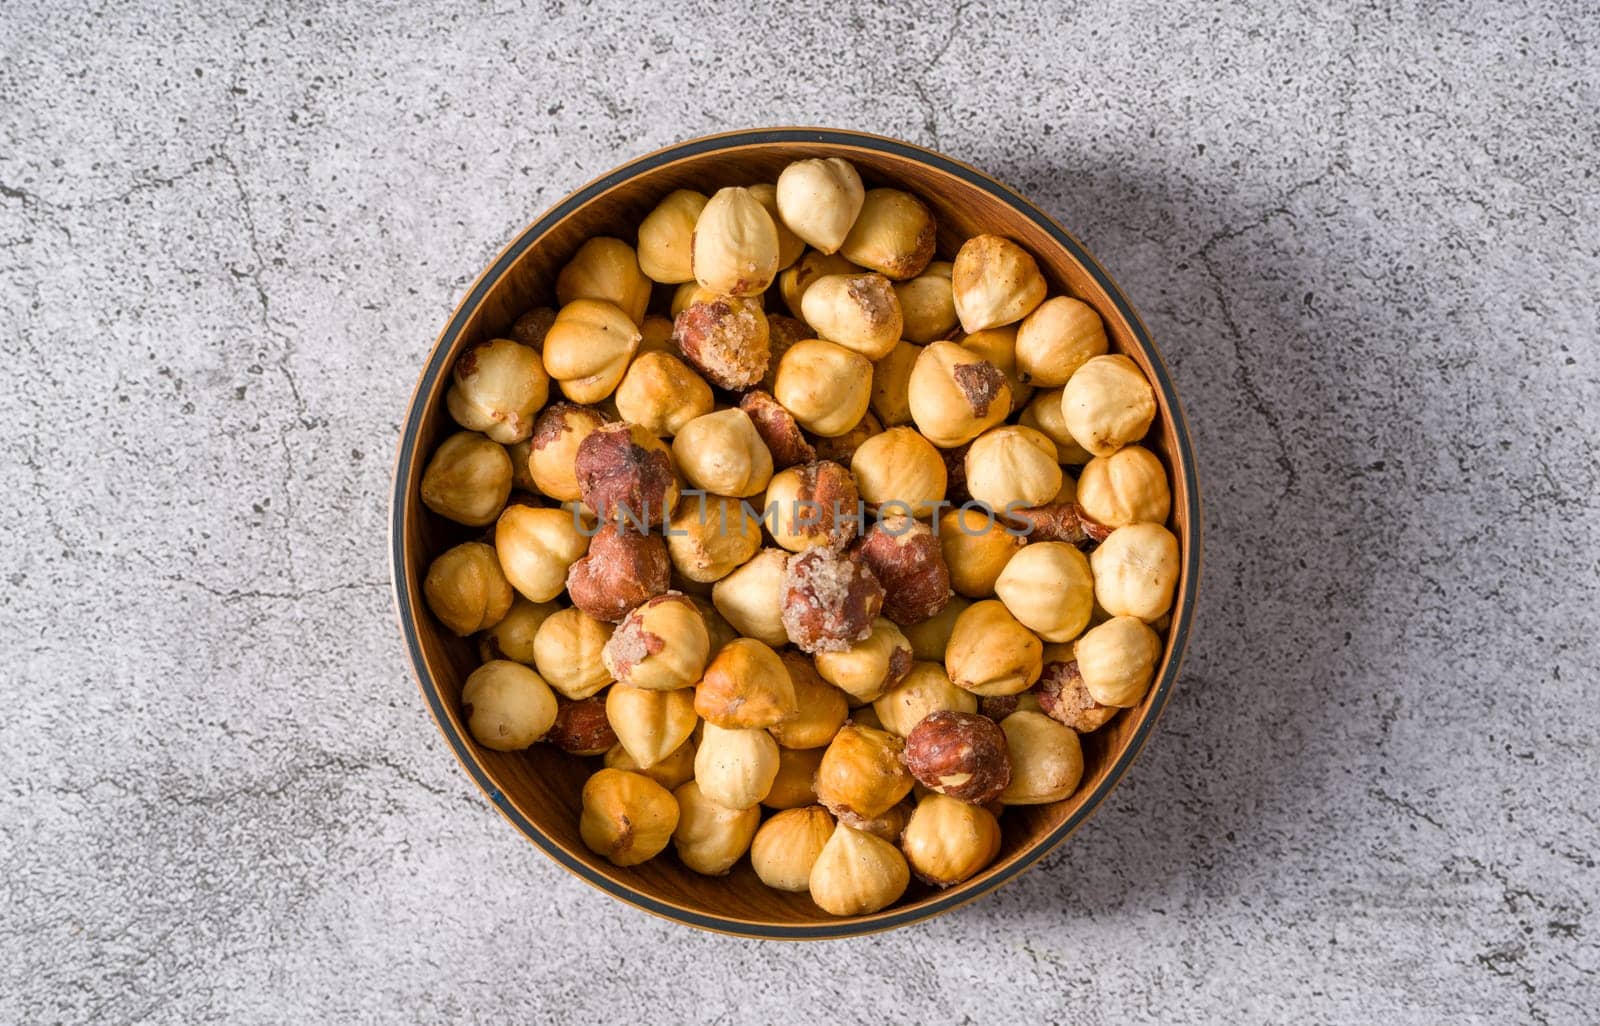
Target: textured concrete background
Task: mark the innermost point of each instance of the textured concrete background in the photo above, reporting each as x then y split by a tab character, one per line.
1366	242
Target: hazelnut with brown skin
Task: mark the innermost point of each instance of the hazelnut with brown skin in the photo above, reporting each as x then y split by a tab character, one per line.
842	448
1058	522
553	448
817	504
746	686
495	388
959	754
777	428
863	772
829	600
530	328
660	646
998	707
621	570
625	474
894	234
956	395
467	479
661	394
581	727
906	558
727	339
1065	698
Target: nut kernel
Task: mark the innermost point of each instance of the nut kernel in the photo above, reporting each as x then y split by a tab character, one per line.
661	394
792	788
710	535
811	505
1048	587
819	200
745	686
894	234
723	453
1058	337
582	728
734	249
787	846
512	637
824	385
553	448
857	873
671	773
736	768
931	637
858	311
821	708
778	429
948	841
899	470
467	589
467	479
927	305
925	690
1013	467
536	547
588	348
506	705
990	653
871	666
650	725
726	338
660	646
1117	659
567	653
790	245
1064	698
625	474
606	270
891	384
995	282
1046	759
976	549
1108	404
1043	414
793	283
666	237
955	394
1127	487
627	817
621	570
710	838
530	328
863	771
1136	571
751	598
495	388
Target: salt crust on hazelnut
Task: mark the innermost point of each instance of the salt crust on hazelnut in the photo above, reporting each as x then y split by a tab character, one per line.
830	600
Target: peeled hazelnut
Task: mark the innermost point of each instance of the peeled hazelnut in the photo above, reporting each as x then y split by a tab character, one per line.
1136	571
995	282
723	453
1127	487
782	333
735	244
863	771
787	846
1058	337
791	788
467	479
841	448
655	336
819	200
785	442
581	728
606	270
717	628
894	234
825	386
588	348
506	705
857	873
948	841
466	588
857	311
751	598
1049	589
710	535
671	773
790	245
512	637
621	570
956	395
519	452
927	305
710	838
793	283
891	384
960	754
976	549
661	394
900	471
830	600
567	653
660	646
1065	698
887	826
666	237
931	637
536	547
1117	659
745	686
627	817
810	505
906	558
735	768
495	388
650	725
553	448
1107	404
924	691
871	666
1043	414
991	653
530	328
626	475
726	338
1046	759
999	347
1013	467
821	708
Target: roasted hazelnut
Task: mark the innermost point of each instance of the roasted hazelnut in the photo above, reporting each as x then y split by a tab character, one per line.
512	637
692	292
1136	571
821	708
735	244
726	338
819	200
751	598
925	690
710	535
495	388
782	333
787	845
905	557
735	768
467	479
717	628
995	282
621	570
1049	589
1013	467
1043	414
894	234
711	838
671	773
955	470
506	705
655	336
567	651
666	237
792	788
865	716
998	707
824	385
521	479
863	771
790	245
948	841
1046	759
842	448
900	471
990	653
891	384
530	328
1107	404
857	311
581	728
856	873
745	686
659	646
785	442
810	505
886	825
1064	697
1127	487
959	753
927	306
793	283
467	589
931	637
588	349
976	549
871	666
627	817
956	395
553	448
1117	658
650	725
536	547
723	453
830	600
625	474
661	394
1061	335
606	270
999	347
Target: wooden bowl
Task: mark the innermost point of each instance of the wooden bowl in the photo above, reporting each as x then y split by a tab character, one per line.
538	790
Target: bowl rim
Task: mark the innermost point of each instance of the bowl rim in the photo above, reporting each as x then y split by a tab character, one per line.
406	455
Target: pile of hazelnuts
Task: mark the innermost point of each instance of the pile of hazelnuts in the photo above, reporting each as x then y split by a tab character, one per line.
827	563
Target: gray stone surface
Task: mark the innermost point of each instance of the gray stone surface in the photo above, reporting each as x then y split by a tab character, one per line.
1366	241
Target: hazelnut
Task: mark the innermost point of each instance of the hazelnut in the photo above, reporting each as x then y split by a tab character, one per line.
622	569
710	838
735	244
1136	571
661	394
821	708
825	386
650	725
627	817
659	646
519	452
690	293
955	471
782	333
530	328
927	305
751	598
718	629
606	270
931	637
976	549
841	448
666	237
581	728
819	200
655	336
567	651
785	442
865	716
1046	759
506	705
1012	467
999	347
871	666
905	557
1117	659
588	348
735	768
745	686
723	453
960	754
857	311
887	826
1043	414
1064	697
1061	335
536	547
1107	404
495	388
1127	487
793	283
830	600
710	535
856	873
787	846
891	384
1049	589
863	771
894	234
995	282
948	841
466	588
790	245
956	395
467	479
998	707
626	475
925	690
811	505
671	773
900	471
553	448
726	338
791	788
990	653
512	637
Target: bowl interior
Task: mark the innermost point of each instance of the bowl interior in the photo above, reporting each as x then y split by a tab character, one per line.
539	789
